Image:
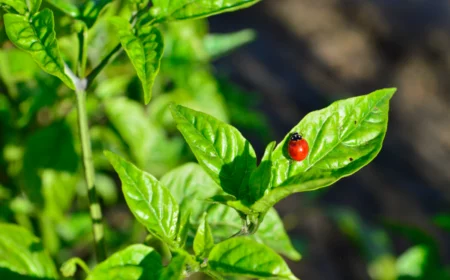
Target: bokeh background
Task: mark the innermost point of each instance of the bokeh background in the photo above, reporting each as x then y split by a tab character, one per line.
309	53
391	218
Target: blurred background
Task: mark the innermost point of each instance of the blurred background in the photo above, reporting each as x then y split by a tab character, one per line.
391	220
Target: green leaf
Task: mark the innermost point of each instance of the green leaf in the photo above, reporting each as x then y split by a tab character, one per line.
190	185
147	141
91	9
144	49
23	6
217	45
271	232
310	180
260	178
38	38
66	6
19	5
69	267
203	241
414	262
219	148
21	253
175	269
134	262
244	257
191	9
343	138
183	228
149	201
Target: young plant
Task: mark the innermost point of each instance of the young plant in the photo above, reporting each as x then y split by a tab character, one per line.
215	217
343	138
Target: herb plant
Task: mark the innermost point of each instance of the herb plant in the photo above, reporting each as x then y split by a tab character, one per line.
215	217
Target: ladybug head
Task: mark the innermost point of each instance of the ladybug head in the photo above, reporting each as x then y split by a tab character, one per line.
295	136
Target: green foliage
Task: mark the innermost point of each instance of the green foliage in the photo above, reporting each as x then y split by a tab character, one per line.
144	50
220	148
185	9
21	253
196	214
134	262
233	257
38	38
204	240
151	203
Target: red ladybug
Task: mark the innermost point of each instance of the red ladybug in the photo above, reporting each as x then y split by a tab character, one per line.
298	147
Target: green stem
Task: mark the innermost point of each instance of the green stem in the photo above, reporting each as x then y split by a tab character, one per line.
90	78
94	206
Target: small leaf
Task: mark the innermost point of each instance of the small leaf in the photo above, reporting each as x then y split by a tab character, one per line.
191	9
91	9
23	6
19	6
69	267
149	201
22	254
144	49
244	257
134	262
38	38
175	269
217	45
183	228
203	241
219	148
260	179
66	6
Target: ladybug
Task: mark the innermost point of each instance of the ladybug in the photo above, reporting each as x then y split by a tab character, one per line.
298	147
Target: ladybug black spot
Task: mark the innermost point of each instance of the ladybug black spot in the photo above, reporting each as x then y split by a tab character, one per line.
295	136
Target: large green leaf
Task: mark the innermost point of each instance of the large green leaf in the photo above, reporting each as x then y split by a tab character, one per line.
343	138
204	240
144	49
245	257
190	9
219	148
191	186
151	203
37	37
22	254
134	262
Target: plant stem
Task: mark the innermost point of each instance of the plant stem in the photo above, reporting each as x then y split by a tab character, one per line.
90	78
94	206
